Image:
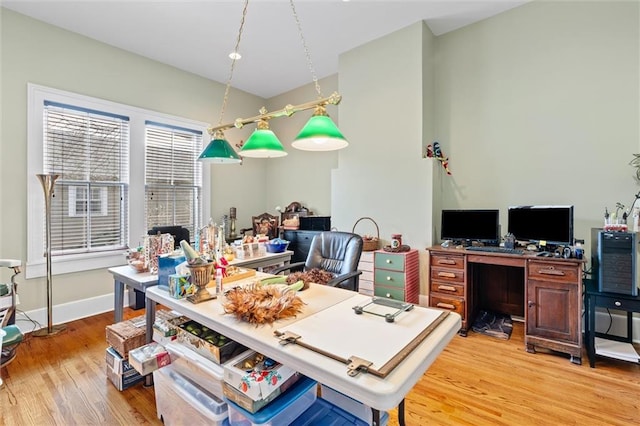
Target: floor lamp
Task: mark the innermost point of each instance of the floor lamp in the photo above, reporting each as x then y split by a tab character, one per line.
48	181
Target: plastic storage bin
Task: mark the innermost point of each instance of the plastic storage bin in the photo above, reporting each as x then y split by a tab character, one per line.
180	402
348	404
324	413
281	411
196	368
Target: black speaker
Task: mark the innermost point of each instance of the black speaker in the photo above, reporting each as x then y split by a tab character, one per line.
617	264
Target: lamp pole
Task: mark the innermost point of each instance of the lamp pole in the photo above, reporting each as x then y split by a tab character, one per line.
48	181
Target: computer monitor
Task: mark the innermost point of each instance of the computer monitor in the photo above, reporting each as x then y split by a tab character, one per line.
542	225
179	233
467	226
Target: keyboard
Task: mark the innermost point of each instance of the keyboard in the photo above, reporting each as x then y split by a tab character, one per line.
492	249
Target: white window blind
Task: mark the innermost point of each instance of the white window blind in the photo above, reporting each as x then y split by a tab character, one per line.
89	149
173	176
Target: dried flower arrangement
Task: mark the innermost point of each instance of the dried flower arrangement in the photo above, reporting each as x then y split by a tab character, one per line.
262	304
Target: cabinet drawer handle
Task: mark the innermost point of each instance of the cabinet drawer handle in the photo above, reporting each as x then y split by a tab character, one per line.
388	260
388	278
445	305
446	262
617	303
446	274
389	296
446	288
550	271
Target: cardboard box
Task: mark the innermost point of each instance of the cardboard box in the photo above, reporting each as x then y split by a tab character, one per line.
119	371
206	342
242	400
148	358
255	375
127	335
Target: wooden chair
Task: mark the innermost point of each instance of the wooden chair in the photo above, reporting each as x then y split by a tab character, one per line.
265	224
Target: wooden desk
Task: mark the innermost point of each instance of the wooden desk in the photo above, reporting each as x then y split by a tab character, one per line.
545	291
127	276
378	393
595	298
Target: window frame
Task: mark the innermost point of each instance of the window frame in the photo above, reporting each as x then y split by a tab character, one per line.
36	262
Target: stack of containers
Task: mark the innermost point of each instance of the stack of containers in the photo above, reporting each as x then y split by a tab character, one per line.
283	410
189	390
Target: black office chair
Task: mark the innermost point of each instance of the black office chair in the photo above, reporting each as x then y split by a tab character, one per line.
335	252
179	233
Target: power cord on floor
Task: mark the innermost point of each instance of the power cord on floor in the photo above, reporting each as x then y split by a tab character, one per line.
27	318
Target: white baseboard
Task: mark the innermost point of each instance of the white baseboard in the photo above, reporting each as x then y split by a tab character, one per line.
423	300
66	312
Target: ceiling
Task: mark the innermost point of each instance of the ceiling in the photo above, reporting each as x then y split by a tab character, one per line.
197	36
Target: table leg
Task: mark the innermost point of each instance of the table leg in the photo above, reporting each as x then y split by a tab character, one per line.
150	317
376	417
401	413
118	291
591	332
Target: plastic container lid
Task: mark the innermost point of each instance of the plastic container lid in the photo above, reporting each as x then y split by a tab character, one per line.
323	413
295	394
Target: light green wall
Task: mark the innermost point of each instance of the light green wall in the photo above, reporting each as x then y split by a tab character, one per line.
42	54
301	176
540	105
382	174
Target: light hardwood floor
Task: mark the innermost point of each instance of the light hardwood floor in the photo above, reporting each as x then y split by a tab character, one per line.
477	380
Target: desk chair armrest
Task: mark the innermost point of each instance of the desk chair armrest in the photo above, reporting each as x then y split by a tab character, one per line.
292	267
337	281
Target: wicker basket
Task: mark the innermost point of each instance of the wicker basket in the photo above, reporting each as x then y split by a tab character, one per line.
369	244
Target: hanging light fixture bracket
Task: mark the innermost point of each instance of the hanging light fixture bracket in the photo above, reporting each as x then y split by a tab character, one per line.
288	111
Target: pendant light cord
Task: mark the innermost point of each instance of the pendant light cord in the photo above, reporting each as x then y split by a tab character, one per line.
233	62
306	50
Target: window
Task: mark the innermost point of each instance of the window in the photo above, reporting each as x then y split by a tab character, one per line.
172	194
81	204
89	150
108	156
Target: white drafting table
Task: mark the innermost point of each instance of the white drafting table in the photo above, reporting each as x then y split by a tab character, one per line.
379	393
127	276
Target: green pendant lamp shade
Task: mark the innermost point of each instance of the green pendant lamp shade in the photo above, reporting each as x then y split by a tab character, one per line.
320	134
219	151
263	143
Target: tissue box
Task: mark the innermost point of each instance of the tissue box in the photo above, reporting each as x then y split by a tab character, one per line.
255	375
180	286
167	266
148	358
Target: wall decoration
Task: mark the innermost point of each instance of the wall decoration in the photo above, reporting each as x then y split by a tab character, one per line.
434	151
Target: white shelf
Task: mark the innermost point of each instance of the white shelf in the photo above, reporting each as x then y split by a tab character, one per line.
614	349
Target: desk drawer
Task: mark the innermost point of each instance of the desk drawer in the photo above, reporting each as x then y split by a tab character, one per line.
449	275
447	261
617	303
392	261
390	292
555	271
453	304
389	278
447	288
